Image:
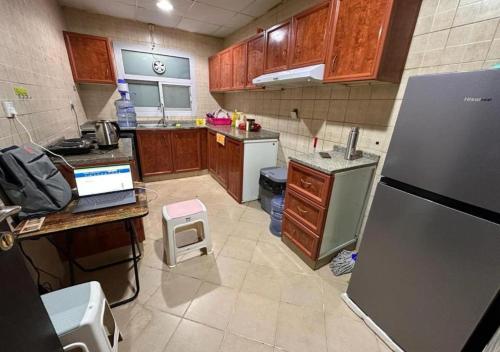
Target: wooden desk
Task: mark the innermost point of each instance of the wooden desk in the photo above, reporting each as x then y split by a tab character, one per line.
65	220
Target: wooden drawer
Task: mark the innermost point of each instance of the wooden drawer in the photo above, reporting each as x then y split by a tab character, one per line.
306	212
303	238
309	183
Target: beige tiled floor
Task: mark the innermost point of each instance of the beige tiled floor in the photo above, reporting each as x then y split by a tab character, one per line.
251	295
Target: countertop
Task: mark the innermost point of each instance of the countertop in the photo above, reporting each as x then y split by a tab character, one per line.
243	135
123	153
337	163
225	130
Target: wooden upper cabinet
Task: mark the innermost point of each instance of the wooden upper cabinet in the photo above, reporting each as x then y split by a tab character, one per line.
214	72
91	58
310	31
239	53
226	69
186	151
276	47
371	39
255	57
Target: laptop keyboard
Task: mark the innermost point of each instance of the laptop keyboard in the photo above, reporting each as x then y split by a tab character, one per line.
101	199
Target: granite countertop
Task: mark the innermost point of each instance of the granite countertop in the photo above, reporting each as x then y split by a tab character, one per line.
123	153
225	130
243	135
337	163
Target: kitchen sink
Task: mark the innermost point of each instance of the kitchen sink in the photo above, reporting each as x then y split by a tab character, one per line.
167	124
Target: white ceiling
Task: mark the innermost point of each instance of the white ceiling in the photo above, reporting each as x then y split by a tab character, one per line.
213	17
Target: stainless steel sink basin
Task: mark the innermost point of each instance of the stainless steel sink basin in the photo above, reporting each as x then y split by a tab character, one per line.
167	124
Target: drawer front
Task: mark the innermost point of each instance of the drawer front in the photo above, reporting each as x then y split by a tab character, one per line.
310	183
304	239
306	212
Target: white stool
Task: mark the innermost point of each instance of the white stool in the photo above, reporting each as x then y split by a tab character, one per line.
184	217
82	318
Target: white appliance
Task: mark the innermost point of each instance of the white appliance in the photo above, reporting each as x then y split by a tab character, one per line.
257	154
308	75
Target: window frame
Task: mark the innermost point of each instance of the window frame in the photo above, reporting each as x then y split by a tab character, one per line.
160	81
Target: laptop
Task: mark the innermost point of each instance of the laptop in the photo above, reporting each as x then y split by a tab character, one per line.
103	187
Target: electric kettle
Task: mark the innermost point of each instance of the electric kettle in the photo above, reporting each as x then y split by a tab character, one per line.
107	134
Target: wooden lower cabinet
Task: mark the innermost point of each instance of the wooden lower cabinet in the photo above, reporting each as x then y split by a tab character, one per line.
186	147
225	163
234	159
221	166
211	149
170	151
99	238
155	152
323	212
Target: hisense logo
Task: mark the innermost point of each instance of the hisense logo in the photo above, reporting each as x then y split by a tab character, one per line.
476	99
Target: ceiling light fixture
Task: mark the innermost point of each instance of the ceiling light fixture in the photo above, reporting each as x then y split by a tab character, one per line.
165	5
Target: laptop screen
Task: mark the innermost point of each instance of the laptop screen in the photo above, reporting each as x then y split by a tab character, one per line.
103	179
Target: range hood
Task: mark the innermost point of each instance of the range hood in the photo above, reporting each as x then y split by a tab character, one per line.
298	76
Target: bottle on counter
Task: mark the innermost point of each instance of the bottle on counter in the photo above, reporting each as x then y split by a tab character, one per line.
235	117
125	110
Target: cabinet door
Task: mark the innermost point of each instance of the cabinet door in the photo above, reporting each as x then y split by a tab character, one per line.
234	150
309	36
186	150
212	150
255	58
90	58
226	72
214	72
358	36
155	152
239	53
276	48
221	164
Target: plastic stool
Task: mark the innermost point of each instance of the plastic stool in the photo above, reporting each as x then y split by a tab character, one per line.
82	318
181	217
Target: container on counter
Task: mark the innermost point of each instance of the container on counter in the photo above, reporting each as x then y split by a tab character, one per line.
125	110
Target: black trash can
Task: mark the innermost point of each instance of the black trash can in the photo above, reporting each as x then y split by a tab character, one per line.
272	182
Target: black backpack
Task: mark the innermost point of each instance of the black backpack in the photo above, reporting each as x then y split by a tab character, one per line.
30	179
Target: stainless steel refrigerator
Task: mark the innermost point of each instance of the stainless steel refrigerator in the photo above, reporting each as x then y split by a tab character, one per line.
428	269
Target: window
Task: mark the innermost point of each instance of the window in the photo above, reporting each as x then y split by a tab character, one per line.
156	79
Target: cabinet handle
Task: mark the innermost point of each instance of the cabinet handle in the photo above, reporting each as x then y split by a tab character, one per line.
305	184
334	61
302	211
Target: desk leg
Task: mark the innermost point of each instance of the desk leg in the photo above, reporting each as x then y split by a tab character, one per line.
135	259
70	258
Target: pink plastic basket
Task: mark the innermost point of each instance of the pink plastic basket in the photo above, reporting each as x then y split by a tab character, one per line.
218	121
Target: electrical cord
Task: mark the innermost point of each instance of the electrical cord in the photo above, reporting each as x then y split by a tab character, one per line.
152	191
45	285
28	258
40	146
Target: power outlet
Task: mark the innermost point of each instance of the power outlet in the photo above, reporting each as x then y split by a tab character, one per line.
9	108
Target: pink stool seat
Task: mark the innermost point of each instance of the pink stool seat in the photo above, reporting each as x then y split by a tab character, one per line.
185	208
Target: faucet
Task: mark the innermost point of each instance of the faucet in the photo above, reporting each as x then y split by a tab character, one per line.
7	238
163	120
